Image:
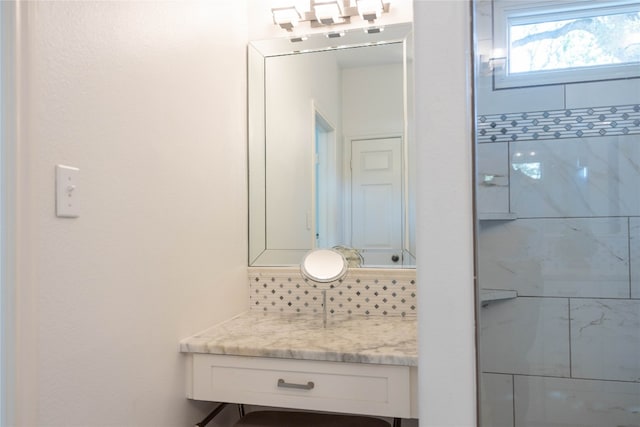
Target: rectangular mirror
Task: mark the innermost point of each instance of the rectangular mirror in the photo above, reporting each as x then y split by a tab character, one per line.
330	149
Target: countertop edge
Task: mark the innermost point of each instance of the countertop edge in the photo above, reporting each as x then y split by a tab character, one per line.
203	343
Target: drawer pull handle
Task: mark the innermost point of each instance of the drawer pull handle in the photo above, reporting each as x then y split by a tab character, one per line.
307	386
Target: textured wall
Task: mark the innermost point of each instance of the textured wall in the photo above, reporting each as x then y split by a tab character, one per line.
146	98
444	214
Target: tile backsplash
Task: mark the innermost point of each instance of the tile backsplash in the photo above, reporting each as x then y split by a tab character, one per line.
556	124
364	291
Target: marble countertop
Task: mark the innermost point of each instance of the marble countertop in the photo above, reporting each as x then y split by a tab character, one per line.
374	339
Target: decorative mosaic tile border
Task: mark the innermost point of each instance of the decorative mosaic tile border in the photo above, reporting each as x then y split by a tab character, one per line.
364	291
556	124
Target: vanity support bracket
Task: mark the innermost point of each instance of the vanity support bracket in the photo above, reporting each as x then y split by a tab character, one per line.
212	415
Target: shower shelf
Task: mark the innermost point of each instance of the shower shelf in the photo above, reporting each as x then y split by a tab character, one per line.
488	296
497	216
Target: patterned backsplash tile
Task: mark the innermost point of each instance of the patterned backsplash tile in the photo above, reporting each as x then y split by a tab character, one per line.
364	291
557	124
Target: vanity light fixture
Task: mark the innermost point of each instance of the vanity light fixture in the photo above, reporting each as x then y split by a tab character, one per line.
329	12
370	10
335	34
374	30
286	17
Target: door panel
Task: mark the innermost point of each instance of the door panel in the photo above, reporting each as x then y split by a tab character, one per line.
376	199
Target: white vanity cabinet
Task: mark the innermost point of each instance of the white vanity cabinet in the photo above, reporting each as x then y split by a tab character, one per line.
358	366
356	388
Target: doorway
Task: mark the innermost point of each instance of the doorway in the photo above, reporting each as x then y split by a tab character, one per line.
324	183
376	219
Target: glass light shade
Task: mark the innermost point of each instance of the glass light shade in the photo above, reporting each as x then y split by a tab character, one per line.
328	12
286	16
370	10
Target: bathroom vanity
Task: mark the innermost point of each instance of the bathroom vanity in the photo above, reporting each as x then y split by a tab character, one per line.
310	109
357	364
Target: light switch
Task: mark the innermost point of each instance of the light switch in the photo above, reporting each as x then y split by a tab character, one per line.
67	191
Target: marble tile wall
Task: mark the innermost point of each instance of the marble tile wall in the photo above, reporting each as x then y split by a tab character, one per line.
612	92
364	291
526	336
566	351
529	401
605	339
575	402
556	257
493	177
573	362
497	400
576	177
562	337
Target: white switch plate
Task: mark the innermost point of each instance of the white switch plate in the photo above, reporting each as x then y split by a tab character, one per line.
67	191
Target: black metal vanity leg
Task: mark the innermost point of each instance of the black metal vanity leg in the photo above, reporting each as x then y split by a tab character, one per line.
241	410
212	415
397	422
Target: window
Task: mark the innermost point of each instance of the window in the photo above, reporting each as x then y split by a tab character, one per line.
565	41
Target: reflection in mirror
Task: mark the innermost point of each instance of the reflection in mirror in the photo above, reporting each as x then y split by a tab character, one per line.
329	149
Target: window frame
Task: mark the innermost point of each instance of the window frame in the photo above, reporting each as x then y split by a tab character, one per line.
507	13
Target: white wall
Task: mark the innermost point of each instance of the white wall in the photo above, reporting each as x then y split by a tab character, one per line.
148	100
292	83
373	101
444	214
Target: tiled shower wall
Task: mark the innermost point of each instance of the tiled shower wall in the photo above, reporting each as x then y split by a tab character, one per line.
566	351
565	161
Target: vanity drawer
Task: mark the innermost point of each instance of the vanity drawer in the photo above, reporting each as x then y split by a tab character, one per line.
325	386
